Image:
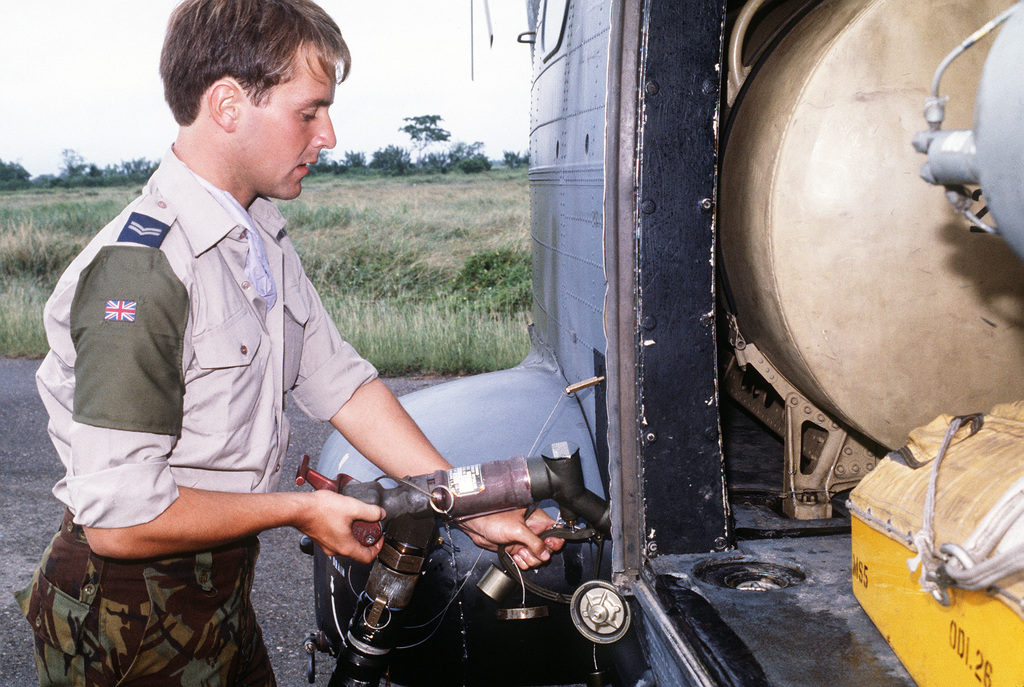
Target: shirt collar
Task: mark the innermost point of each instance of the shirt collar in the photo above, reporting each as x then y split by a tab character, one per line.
203	217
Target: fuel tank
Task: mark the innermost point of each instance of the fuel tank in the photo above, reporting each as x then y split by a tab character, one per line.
855	278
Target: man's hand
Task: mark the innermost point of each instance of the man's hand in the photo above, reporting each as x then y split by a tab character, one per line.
509	528
329	524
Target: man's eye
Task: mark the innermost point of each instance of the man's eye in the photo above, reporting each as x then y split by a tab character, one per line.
308	117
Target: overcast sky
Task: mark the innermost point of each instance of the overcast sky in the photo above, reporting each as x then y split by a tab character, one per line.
83	74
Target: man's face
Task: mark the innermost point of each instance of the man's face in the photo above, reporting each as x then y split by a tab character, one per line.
287	133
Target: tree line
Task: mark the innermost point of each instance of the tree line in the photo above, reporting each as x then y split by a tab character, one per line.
426	135
427	138
76	172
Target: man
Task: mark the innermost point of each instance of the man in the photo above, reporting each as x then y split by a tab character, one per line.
174	337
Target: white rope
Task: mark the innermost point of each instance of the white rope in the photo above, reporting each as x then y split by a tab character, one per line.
978	564
924	540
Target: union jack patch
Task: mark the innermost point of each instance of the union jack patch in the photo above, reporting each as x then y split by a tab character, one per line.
120	311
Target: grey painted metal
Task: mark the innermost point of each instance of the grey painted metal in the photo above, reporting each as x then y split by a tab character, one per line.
671	658
999	111
487	417
566	187
620	311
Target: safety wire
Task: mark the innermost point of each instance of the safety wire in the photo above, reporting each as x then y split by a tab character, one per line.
506	560
583	534
540	434
568	392
457	591
454	596
407	483
522	584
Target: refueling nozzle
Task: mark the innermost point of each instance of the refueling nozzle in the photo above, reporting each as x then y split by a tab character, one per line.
558	475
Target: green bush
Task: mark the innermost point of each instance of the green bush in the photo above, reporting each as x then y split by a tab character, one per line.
475	165
436	162
354	159
325	165
498	280
13	172
514	160
392	159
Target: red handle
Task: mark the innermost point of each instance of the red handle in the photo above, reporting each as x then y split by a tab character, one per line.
315	479
366	533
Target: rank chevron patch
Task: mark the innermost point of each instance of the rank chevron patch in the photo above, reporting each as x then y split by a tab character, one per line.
144	230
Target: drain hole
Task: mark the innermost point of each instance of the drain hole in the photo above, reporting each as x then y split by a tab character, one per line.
748	576
754	582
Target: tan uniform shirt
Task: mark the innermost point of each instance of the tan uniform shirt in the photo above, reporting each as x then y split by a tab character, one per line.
236	363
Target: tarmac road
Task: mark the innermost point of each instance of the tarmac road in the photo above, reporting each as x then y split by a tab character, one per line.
29	515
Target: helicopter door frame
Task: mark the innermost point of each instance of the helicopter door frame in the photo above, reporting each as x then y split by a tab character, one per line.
669	489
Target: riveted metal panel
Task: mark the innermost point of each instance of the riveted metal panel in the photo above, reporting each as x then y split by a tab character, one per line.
682	473
566	186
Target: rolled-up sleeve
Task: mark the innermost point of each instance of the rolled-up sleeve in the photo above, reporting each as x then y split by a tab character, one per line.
330	370
127	321
119	478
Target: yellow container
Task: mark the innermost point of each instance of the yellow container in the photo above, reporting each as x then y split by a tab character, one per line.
978	638
975	640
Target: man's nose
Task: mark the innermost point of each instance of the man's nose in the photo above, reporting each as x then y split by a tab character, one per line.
326	138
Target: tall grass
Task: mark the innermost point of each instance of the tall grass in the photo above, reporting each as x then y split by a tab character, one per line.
441	337
21	315
425	274
36	253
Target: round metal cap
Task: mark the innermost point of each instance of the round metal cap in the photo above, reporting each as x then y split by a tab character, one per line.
599	612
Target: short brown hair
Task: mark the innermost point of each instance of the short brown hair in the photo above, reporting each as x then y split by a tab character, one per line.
253	41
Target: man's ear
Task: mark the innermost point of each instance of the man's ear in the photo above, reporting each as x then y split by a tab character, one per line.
225	101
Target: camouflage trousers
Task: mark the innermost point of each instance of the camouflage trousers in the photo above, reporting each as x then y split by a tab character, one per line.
180	621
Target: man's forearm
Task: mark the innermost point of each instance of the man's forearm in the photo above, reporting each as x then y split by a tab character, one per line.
200	519
197	520
377	425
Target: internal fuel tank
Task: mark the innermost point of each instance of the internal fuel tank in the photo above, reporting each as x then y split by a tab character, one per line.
854	277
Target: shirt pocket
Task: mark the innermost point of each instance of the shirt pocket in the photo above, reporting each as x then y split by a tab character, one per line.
296	315
230	362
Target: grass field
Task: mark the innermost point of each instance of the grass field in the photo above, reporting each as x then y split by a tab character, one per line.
426	274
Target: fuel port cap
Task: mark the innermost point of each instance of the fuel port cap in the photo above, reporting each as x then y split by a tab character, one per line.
599	612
